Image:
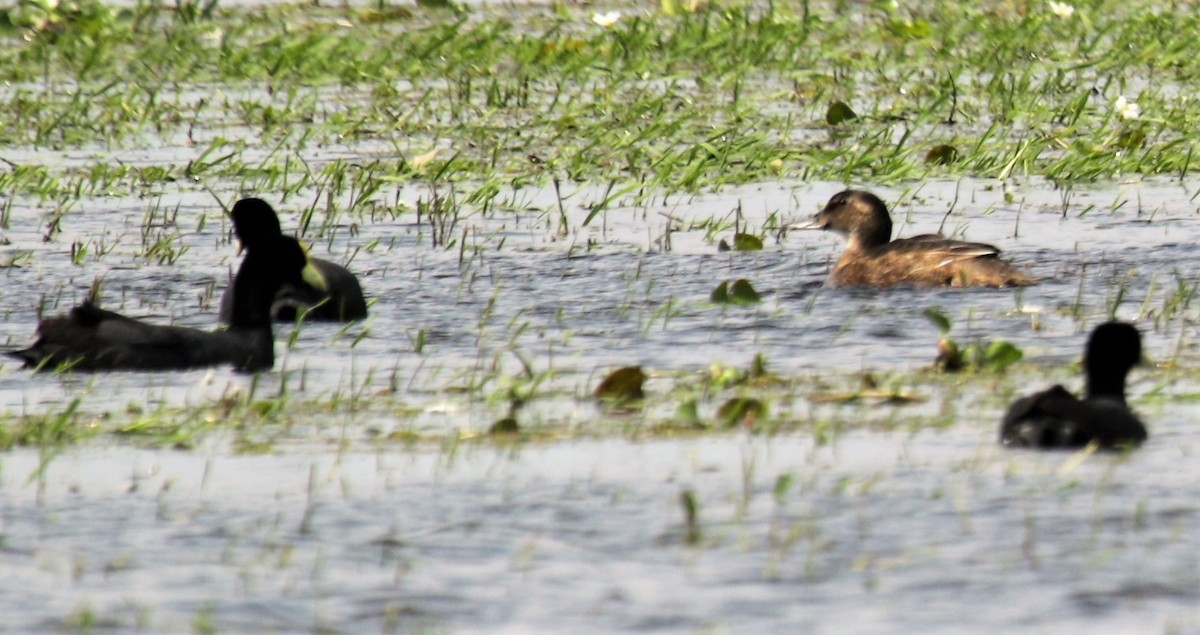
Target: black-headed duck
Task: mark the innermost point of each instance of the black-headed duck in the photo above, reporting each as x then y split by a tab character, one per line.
254	220
872	259
1055	418
93	339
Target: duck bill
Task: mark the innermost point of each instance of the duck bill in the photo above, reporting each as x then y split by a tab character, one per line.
817	222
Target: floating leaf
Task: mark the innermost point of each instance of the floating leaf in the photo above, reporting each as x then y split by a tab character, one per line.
721	376
1001	354
742	292
720	295
938	319
507	425
839	112
687	412
747	242
622	385
741	410
941	155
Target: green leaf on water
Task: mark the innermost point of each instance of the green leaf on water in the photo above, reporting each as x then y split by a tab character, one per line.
941	155
747	242
622	385
742	292
838	113
507	425
741	410
720	295
687	412
1001	354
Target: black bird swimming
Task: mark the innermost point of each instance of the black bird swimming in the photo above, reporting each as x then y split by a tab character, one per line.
1055	418
93	339
254	220
872	259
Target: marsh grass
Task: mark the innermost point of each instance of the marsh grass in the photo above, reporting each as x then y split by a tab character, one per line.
685	103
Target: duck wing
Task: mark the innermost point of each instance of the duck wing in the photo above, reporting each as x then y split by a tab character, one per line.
949	250
1055	418
1040	421
935	260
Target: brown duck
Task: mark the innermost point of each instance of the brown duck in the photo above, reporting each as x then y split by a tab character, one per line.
873	259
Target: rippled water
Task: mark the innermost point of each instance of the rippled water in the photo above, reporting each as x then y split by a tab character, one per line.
880	533
892	526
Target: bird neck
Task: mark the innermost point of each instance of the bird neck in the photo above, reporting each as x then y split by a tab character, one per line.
1109	385
875	233
253	294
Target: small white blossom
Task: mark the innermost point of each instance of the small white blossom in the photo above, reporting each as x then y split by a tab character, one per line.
1126	109
1061	9
606	19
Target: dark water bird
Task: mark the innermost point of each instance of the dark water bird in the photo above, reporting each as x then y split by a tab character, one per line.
1055	418
873	259
255	221
94	339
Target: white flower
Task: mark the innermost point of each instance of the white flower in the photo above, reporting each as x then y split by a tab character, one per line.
1127	109
606	19
1061	9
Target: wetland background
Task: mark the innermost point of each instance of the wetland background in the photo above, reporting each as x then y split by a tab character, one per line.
533	199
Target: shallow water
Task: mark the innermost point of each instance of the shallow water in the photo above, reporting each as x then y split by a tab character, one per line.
331	531
589	537
863	517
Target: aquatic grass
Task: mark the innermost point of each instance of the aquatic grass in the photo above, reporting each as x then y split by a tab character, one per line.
598	103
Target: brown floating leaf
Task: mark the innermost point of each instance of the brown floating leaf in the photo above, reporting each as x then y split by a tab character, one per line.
622	385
